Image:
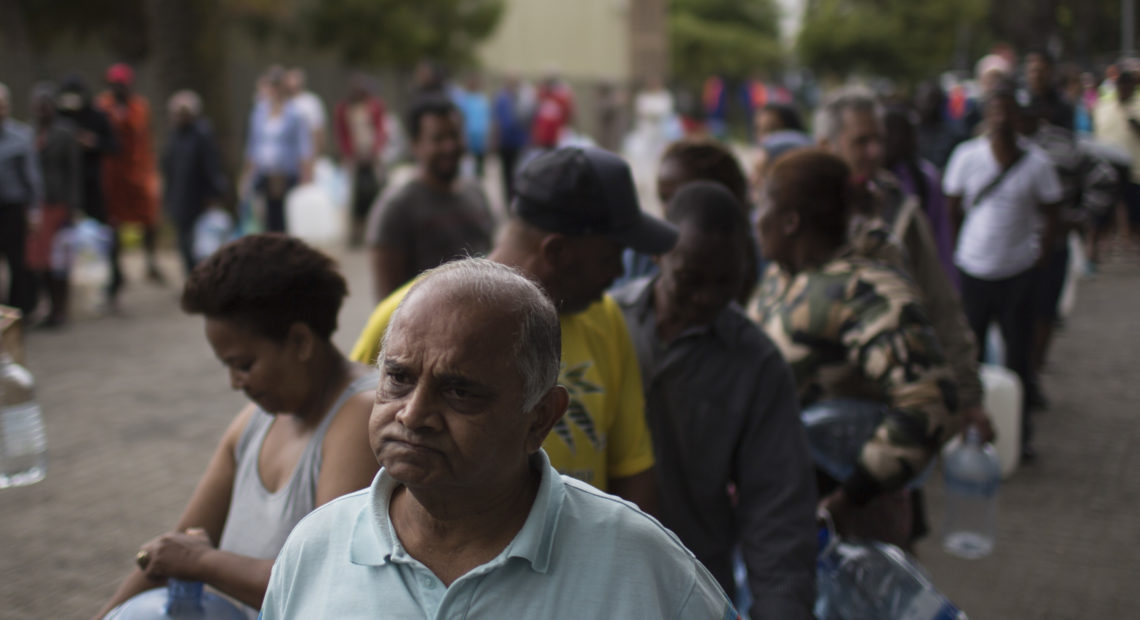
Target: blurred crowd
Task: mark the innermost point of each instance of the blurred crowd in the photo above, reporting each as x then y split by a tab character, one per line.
866	258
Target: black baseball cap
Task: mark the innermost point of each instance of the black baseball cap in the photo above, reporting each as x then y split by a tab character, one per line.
588	190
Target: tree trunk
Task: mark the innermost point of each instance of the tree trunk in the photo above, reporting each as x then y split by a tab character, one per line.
188	43
18	59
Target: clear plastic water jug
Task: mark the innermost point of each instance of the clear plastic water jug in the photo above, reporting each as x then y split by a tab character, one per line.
972	475
179	599
23	443
861	580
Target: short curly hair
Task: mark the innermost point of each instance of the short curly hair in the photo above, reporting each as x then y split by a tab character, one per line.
267	283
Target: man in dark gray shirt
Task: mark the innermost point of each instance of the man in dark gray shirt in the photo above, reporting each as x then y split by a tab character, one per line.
732	458
21	189
435	217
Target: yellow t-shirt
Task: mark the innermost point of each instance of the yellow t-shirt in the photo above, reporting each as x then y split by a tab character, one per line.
603	433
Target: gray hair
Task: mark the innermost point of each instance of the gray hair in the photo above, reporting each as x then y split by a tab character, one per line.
829	117
185	99
43	90
537	349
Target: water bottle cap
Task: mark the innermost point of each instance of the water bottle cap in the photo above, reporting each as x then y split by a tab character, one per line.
183	596
176	588
973	435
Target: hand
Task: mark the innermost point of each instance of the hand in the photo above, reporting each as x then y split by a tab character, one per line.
175	554
979	419
87	139
35	219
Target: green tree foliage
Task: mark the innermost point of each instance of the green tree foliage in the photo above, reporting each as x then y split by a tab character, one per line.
734	39
911	39
119	24
1081	30
899	38
401	32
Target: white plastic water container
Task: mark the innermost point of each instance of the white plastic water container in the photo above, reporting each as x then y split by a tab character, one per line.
313	217
1002	399
91	266
212	230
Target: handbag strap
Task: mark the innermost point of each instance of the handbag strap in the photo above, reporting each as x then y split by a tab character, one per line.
996	181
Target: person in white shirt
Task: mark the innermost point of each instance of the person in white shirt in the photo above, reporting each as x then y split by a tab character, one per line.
309	105
1117	123
1003	195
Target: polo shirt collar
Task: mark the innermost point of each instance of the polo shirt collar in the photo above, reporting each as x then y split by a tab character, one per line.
535	541
374	542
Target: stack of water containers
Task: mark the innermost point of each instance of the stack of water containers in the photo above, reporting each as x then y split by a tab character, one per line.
869	579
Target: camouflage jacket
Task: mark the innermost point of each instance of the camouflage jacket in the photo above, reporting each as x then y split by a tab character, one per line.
900	236
856	328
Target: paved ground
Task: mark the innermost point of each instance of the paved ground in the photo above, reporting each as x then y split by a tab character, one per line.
135	405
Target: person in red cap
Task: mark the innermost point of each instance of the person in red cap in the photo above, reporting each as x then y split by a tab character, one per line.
129	179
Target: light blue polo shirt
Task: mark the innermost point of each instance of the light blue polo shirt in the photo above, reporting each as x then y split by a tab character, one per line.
580	554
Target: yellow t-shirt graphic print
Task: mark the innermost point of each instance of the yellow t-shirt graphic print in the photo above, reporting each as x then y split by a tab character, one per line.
575	383
603	433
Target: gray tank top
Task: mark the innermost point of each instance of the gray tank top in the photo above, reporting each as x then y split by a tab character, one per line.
259	521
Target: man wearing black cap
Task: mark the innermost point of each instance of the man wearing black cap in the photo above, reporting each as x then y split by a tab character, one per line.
574	212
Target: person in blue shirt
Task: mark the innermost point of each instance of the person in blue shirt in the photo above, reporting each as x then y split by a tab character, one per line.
512	131
475	107
279	153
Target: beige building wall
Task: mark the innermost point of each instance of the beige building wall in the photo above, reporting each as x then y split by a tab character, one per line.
581	39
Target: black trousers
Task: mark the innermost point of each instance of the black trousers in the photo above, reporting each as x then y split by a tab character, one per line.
274	190
1009	302
13	248
508	159
365	187
185	234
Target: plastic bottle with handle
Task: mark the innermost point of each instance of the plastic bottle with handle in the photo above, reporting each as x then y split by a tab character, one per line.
972	475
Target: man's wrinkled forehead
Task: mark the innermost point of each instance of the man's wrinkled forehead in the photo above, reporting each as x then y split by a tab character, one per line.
445	317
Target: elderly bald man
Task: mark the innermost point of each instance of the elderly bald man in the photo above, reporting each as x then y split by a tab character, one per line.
467	516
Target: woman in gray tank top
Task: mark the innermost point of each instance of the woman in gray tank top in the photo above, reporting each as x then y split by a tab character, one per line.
270	304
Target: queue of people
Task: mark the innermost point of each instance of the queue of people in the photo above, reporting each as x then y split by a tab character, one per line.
579	409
